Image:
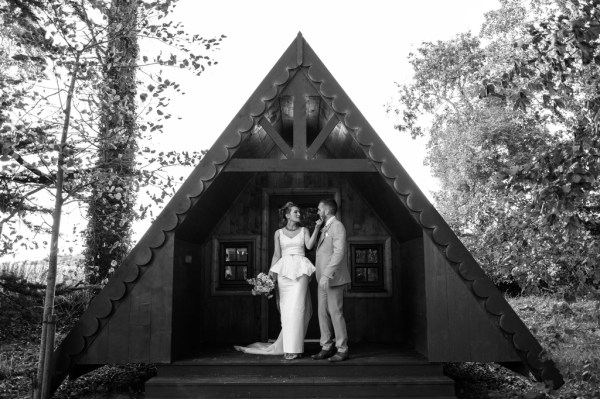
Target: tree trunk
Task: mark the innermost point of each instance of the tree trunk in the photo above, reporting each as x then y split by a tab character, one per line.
108	235
47	347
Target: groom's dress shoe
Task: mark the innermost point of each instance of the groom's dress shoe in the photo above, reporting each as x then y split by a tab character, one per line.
339	357
324	354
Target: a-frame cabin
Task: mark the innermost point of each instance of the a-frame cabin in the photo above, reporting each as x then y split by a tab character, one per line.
180	296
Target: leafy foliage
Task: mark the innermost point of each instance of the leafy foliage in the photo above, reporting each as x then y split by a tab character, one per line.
518	176
44	44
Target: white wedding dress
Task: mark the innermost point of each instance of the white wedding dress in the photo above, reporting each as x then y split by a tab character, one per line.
294	298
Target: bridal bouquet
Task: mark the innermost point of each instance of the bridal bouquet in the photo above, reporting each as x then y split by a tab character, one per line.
263	285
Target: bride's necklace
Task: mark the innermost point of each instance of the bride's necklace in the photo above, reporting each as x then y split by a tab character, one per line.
294	229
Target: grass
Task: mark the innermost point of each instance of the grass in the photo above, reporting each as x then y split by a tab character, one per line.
570	332
69	270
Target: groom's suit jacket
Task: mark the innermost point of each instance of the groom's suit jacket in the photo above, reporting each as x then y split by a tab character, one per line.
331	258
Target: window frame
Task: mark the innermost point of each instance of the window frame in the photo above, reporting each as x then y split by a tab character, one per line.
223	262
377	285
220	286
364	289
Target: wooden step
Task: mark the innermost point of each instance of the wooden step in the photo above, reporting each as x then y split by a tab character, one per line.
244	386
373	370
305	368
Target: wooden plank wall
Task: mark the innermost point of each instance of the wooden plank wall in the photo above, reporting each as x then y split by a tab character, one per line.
235	318
458	328
230	318
187	279
140	328
414	310
364	313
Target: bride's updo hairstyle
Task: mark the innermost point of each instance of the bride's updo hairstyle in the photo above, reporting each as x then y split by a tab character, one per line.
285	210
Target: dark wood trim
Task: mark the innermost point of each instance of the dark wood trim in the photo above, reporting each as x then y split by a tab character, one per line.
265	265
276	137
216	288
323	134
300	165
387	265
299	118
299	49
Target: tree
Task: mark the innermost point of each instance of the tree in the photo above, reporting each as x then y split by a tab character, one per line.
34	56
553	78
54	146
20	62
477	147
112	199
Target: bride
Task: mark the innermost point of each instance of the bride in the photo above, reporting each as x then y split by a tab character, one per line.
291	270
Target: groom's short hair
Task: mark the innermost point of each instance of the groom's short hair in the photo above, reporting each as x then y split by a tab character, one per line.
331	204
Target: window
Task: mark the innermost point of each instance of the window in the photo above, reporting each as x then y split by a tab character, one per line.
367	266
235	263
235	259
370	262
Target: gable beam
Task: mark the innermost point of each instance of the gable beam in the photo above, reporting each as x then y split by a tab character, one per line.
299	49
323	134
299	91
276	137
300	165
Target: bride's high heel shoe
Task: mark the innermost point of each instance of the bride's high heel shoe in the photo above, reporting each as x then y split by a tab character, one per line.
291	356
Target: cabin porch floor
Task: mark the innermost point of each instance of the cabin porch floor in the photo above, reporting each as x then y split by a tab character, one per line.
373	370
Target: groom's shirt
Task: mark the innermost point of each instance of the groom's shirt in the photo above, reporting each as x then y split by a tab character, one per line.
327	224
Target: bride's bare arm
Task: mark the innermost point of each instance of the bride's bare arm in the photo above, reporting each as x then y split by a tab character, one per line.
276	254
310	241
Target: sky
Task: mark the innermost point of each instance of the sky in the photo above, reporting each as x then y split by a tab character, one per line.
365	45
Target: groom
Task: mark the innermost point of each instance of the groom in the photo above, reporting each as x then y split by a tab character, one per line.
332	275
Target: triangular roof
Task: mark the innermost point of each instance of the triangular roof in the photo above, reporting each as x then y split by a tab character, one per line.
366	144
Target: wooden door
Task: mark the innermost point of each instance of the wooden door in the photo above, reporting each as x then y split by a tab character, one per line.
308	207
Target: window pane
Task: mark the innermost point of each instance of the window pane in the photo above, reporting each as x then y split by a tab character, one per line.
373	256
229	273
361	274
241	273
230	254
373	274
361	255
242	254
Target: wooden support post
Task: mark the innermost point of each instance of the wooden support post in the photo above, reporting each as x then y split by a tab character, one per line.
299	49
299	120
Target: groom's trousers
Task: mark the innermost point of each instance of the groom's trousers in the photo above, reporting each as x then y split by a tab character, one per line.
331	317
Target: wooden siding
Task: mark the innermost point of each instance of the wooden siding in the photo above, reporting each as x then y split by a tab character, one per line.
364	313
236	318
413	293
140	328
187	278
229	318
458	328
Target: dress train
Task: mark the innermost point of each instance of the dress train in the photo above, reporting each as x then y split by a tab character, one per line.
276	348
